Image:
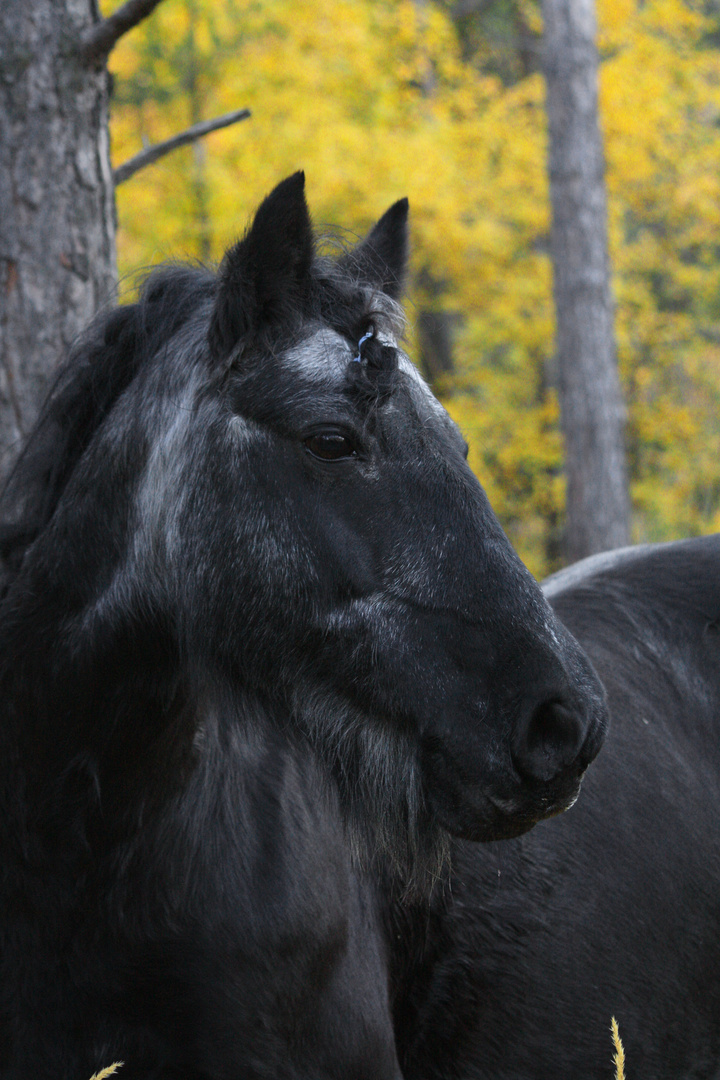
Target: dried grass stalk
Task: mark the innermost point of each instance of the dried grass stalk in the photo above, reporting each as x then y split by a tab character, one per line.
619	1056
107	1072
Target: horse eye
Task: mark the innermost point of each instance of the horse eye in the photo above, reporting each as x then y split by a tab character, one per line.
330	446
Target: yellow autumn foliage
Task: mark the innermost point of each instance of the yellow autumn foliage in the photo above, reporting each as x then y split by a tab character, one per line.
373	100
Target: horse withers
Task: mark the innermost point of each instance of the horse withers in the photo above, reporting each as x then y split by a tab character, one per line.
613	909
263	645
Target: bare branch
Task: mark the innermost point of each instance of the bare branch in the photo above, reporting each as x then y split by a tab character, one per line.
192	134
96	45
462	8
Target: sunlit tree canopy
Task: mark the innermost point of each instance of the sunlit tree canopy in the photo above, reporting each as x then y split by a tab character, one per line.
378	99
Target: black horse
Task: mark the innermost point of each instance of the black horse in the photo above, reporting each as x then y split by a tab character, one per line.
262	644
613	909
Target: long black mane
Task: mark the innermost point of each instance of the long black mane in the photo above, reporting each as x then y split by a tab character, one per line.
101	365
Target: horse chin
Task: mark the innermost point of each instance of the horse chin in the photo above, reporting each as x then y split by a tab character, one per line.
487	818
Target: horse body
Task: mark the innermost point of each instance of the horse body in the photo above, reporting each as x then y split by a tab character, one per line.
263	645
614	908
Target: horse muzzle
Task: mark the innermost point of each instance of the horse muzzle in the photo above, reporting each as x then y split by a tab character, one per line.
494	788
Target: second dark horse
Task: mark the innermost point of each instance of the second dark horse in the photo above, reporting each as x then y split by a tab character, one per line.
514	972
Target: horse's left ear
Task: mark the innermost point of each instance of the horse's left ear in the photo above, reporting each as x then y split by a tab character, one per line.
381	258
265	276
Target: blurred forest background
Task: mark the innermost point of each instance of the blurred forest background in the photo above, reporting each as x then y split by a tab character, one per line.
444	102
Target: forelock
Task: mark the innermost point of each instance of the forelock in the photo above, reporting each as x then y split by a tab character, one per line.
346	303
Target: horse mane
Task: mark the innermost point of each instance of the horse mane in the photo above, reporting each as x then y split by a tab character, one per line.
101	365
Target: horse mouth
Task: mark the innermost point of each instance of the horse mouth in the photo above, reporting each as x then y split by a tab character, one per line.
483	816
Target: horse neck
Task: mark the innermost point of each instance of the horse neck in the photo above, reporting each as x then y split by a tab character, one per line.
106	720
90	704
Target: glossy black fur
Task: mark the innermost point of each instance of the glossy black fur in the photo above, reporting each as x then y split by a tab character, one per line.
242	681
612	909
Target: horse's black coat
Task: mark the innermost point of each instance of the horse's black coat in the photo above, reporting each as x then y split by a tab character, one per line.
262	643
613	909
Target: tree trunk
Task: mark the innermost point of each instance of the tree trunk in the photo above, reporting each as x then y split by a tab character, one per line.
591	406
57	217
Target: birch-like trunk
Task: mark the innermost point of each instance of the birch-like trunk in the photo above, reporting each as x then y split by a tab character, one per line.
57	217
592	413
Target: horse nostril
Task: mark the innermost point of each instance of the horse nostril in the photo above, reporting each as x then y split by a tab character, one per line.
549	741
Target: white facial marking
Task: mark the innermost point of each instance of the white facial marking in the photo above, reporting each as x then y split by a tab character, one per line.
325	355
425	393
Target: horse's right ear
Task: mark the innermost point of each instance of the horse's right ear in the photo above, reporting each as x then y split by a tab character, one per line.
266	274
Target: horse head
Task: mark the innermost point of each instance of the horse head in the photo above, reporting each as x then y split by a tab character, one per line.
243	487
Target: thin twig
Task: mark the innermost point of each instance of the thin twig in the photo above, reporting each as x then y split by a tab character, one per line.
192	134
469	7
97	43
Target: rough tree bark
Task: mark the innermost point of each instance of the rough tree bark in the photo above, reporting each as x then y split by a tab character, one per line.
591	406
57	202
57	222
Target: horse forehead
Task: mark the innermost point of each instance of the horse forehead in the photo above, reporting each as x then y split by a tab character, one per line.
323	355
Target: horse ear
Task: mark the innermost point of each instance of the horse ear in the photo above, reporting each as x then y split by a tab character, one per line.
381	258
265	275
